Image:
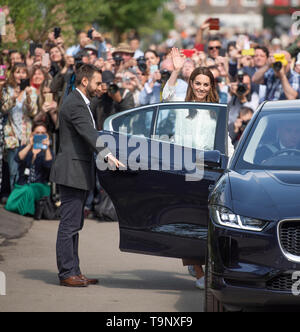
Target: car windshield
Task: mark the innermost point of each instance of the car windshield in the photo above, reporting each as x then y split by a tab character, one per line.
273	143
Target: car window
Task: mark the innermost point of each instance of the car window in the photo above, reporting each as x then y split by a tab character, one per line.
137	123
274	142
190	127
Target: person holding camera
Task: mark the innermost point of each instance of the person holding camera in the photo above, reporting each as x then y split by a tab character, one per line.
114	98
54	39
281	81
151	94
83	41
63	83
34	163
57	60
240	95
123	57
237	128
133	85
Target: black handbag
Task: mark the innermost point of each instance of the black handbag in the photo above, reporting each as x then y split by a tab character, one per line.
105	210
46	209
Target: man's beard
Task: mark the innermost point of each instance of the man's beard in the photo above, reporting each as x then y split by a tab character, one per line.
90	93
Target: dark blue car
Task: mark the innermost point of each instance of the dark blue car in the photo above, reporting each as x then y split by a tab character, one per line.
253	254
177	197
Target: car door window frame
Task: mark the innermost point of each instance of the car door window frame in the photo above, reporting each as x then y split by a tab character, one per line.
220	144
144	109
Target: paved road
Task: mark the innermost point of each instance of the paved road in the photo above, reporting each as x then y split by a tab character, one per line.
128	282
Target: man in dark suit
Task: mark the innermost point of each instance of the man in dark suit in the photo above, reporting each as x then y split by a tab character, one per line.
74	171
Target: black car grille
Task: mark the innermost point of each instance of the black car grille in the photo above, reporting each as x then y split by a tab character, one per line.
289	234
282	283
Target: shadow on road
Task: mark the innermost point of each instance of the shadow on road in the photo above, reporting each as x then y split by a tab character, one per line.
146	279
133	279
49	277
189	298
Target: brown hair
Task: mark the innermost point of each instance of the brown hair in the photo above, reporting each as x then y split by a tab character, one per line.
212	96
46	84
11	79
35	69
39	124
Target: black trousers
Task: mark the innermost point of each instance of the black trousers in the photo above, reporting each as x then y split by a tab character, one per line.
72	220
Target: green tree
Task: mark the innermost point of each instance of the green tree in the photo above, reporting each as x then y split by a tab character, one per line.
34	19
142	16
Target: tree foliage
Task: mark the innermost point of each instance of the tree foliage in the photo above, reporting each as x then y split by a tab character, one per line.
121	15
35	18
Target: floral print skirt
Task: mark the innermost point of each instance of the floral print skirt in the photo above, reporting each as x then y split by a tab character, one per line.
1	148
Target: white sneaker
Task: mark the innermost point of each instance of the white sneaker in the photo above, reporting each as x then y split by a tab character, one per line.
192	271
200	283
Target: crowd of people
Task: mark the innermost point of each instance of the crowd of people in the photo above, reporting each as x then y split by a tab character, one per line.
245	70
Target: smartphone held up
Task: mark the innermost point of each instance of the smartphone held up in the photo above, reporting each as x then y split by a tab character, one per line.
25	83
57	32
2	72
38	142
188	53
214	23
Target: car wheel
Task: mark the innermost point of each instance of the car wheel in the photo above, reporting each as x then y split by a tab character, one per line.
211	303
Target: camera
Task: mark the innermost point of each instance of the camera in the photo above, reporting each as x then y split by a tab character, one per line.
280	61
142	64
244	125
24	84
242	88
165	75
90	34
112	88
277	66
118	59
57	32
77	63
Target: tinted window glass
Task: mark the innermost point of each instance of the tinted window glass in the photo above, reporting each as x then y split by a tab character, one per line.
135	123
191	127
274	142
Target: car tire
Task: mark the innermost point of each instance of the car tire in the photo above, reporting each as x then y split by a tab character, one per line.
211	303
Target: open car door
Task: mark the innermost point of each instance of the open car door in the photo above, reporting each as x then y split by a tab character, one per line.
173	153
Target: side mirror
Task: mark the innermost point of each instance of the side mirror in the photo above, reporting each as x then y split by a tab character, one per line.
214	159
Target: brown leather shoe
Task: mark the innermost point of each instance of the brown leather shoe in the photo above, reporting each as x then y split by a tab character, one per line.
74	281
89	281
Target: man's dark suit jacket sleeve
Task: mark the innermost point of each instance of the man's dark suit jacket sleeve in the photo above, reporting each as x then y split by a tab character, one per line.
84	127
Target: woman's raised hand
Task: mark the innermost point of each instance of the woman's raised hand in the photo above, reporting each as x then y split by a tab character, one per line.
177	58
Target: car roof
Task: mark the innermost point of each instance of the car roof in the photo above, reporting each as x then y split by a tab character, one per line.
172	103
279	105
142	107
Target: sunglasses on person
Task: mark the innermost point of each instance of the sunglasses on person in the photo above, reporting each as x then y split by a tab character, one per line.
214	47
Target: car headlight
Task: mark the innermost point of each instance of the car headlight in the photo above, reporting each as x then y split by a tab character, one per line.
225	217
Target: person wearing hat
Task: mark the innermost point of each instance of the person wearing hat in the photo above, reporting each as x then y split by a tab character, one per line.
123	56
276	45
92	51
